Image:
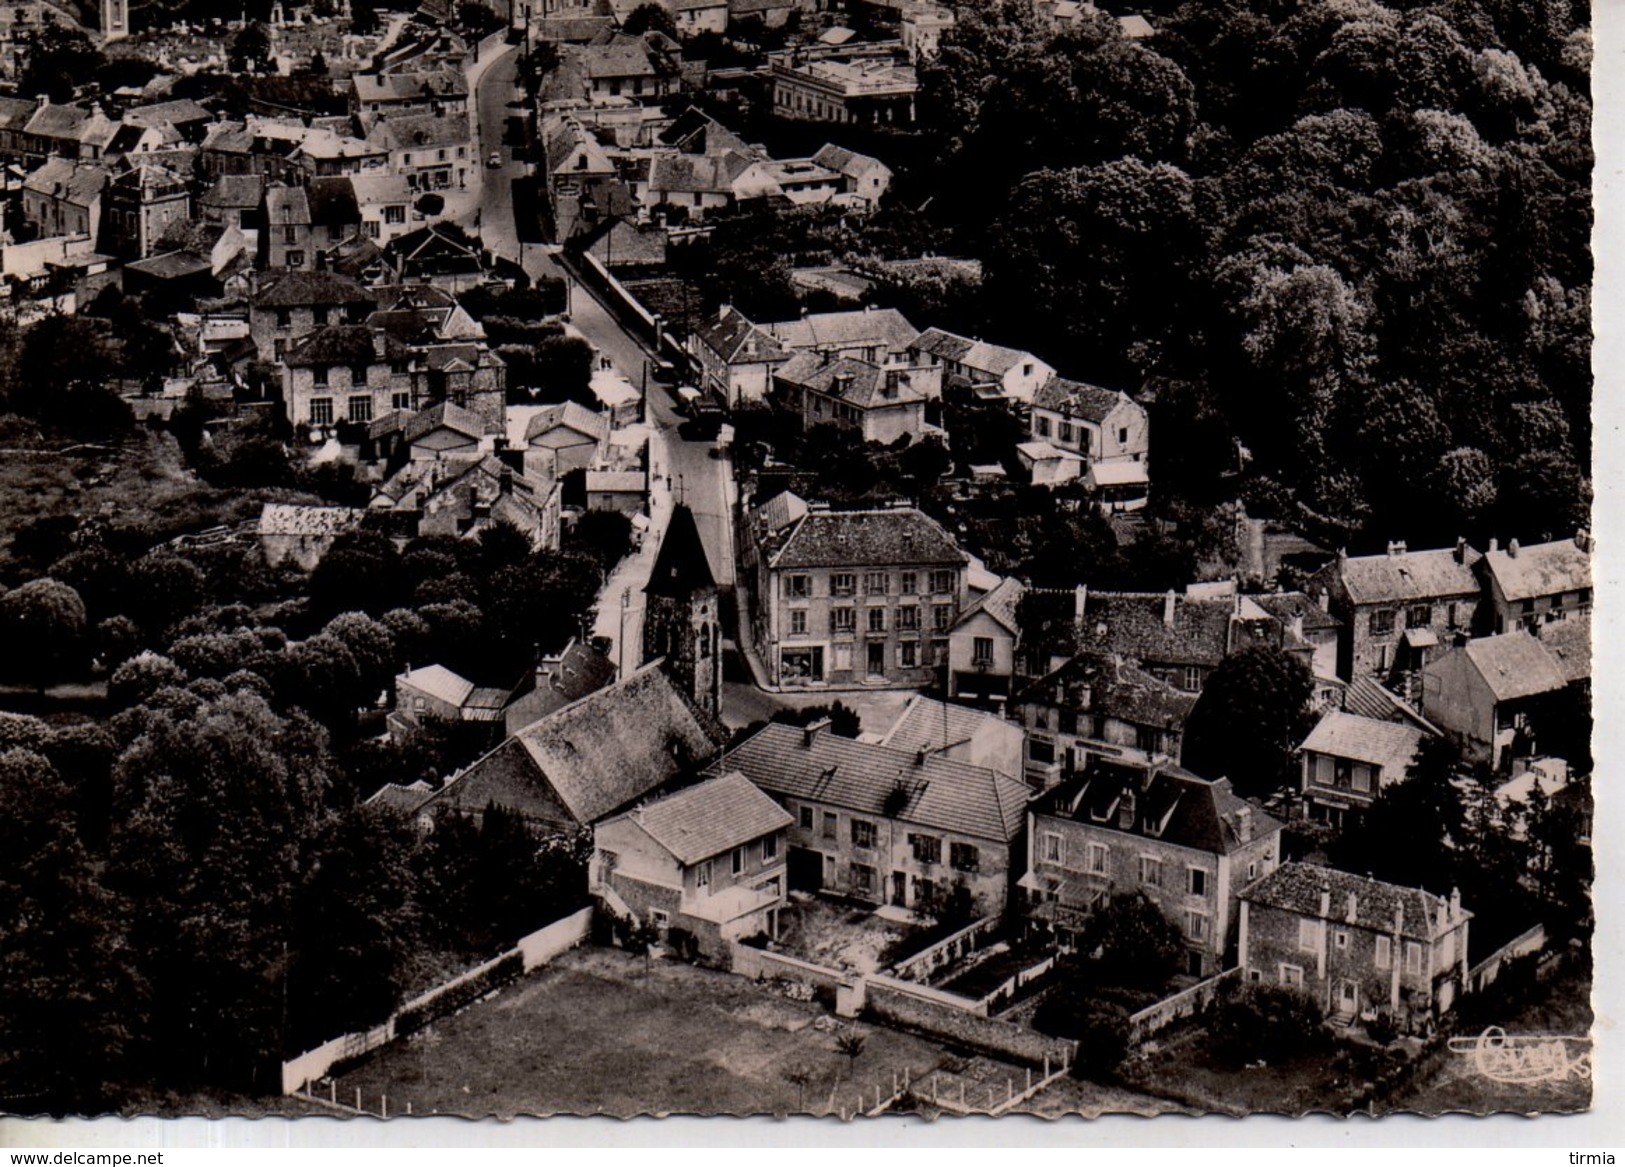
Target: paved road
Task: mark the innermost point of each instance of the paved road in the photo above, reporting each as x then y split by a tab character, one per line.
696	476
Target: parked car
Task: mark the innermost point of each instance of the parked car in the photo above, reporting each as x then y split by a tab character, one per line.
705	421
663	371
495	160
687	396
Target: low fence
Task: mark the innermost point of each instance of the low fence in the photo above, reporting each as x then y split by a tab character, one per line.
760	964
1187	1003
1482	975
944	952
944	1015
531	952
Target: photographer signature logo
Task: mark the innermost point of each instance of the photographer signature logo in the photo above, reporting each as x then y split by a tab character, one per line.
1503	1057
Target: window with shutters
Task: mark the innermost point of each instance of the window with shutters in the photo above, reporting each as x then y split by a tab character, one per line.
863	834
1384	956
926	848
963	857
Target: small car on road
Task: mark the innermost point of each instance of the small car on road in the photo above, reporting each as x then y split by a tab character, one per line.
495	160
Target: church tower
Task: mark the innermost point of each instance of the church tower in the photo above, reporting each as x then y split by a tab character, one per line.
680	618
115	20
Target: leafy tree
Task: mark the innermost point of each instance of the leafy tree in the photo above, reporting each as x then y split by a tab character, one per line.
67	997
649	18
563	371
1268	1023
605	535
138	678
358	574
57	58
1410	833
250	50
162	588
1249	719
44	622
1130	942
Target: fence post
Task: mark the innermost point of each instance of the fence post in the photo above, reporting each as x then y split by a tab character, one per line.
1029	1077
1009	1089
383	1106
1046	1065
358	1098
333	1091
408	1108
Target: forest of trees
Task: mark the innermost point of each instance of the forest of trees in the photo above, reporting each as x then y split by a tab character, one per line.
1357	235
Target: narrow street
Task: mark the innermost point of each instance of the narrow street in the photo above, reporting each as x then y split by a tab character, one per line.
695	473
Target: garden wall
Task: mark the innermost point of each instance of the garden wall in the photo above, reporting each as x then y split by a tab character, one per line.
944	952
758	963
531	952
1187	1003
932	1012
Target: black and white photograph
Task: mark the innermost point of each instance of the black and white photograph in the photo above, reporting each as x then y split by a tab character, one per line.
833	558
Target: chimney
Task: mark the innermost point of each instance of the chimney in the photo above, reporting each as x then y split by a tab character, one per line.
1125	810
1325	600
1461	550
1297	626
1512	549
1342	554
1168	602
1396	547
1582	540
1325	901
1495	544
1080	601
505	482
1455	903
1352	913
1244	825
811	732
919	757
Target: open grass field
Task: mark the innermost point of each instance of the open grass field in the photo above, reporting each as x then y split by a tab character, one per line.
601	1032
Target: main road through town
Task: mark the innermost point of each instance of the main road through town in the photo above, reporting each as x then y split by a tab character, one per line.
698	476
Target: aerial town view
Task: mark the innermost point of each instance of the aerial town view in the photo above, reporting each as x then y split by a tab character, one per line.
795	557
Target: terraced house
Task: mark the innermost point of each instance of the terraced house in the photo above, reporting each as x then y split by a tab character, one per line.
1187	844
857	598
887	826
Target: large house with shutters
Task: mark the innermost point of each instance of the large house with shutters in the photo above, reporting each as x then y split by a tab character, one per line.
1358	946
888	826
1401	609
1188	845
847	599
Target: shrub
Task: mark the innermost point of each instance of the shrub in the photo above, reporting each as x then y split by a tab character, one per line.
1382	1029
1268	1023
1102	1041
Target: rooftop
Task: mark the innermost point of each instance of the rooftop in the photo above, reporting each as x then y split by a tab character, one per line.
1078	399
875	538
814	764
840	330
1390	745
1169	804
1401	574
1545	569
1111	687
1354	900
711	818
441	683
1514	665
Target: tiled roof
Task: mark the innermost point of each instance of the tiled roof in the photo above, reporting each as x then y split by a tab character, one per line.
393	87
1297	887
1001	604
441	683
711	818
937	725
419	131
849	162
176	113
1133	624
622	56
447	415
1569	642
1172	805
240	191
1546	569
866	539
1111	687
171	265
1514	665
345	344
579	670
285	519
856	383
1077	399
945	794
1388	744
80	185
572	415
733	337
976	354
594	756
862	326
697	173
1369	698
1285	606
682	566
1407	575
332	203
780	511
299	289
406	799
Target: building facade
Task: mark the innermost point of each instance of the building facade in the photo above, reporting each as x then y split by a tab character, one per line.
857	598
1188	845
1358	946
1525	587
